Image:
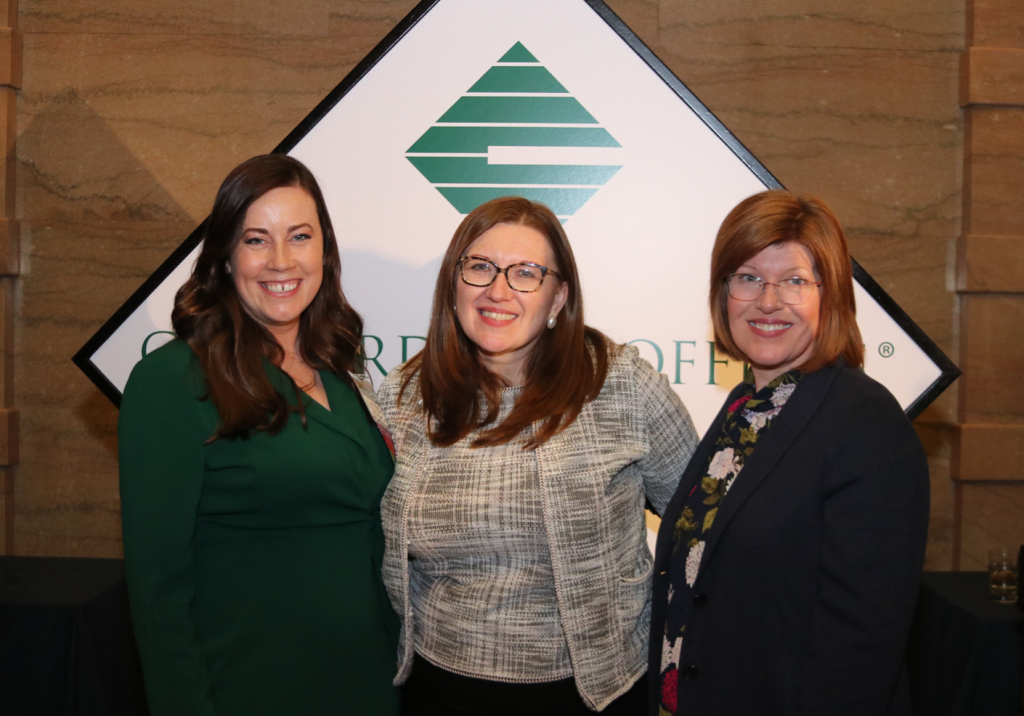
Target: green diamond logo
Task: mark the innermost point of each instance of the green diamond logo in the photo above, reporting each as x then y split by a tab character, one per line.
517	130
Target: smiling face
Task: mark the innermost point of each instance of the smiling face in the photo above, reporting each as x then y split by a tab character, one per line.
277	263
505	324
776	337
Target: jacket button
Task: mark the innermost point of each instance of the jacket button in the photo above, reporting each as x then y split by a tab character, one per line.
700	599
690	671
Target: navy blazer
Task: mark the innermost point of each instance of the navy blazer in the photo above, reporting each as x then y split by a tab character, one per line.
807	584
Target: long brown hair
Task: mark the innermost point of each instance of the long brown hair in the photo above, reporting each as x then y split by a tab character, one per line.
566	367
777	216
231	345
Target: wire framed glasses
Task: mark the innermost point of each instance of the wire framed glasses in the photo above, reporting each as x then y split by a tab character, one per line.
792	291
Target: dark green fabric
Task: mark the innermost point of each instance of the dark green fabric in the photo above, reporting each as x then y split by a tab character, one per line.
254	565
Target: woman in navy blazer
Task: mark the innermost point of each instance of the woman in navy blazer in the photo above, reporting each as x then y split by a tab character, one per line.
788	561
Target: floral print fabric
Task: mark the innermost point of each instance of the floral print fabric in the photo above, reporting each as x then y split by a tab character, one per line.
745	423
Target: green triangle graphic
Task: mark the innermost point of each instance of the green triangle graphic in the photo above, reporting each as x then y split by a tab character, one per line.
518	53
510	110
518	79
517	110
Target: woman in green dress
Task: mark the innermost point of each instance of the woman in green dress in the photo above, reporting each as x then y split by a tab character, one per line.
252	468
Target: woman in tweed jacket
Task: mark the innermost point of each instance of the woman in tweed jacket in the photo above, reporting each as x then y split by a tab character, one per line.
527	447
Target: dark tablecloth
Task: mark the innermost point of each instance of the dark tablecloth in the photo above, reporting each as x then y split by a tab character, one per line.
66	645
966	652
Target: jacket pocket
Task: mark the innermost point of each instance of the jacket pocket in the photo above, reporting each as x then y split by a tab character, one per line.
643	573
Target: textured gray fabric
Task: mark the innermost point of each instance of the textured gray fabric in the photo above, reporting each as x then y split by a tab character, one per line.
481	566
630	443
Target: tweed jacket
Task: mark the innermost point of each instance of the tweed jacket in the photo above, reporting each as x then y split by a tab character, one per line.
806	588
627	446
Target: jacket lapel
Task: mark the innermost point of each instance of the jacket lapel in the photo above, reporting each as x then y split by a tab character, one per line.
364	389
334	387
799	410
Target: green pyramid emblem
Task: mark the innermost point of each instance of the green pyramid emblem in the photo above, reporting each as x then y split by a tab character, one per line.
518	131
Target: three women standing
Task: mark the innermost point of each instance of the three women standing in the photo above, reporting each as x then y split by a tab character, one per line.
252	471
527	446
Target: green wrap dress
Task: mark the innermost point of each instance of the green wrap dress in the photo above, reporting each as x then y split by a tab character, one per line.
254	564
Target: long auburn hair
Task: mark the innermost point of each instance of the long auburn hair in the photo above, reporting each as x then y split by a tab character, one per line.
566	368
231	345
777	216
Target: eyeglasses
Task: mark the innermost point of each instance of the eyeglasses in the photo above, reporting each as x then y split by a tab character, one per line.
791	291
524	277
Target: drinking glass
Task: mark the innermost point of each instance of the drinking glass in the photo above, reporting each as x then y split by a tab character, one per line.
1002	575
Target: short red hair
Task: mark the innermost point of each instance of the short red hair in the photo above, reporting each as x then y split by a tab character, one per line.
777	216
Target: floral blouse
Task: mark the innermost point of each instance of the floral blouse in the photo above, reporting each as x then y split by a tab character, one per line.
746	421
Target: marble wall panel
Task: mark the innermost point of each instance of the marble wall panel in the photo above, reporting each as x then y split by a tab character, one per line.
8	134
994	146
8	309
10	247
178	17
991	358
95	225
641	16
189	126
989	452
876	133
944	410
990	263
365	22
996	23
915	272
937	441
81	270
10	57
992	76
900	24
74	167
9	13
993	517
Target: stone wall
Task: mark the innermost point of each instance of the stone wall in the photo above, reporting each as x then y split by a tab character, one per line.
988	455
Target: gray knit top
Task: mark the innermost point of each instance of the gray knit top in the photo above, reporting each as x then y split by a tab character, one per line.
512	565
480	564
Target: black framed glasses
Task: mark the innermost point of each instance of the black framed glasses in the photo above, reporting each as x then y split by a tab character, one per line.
522	277
792	291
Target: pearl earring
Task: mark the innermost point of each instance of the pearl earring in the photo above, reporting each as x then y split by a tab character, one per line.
552	321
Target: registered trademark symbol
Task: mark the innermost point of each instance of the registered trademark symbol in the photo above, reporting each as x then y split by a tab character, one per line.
886	350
